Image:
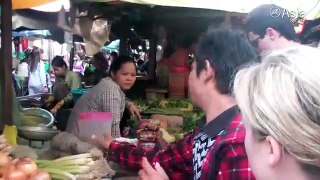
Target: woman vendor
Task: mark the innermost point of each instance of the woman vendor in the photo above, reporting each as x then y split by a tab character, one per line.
108	96
65	81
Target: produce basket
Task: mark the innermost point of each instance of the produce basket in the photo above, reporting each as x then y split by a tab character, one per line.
31	101
37	117
32	133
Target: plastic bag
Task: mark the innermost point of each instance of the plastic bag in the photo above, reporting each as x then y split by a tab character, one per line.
94	123
10	132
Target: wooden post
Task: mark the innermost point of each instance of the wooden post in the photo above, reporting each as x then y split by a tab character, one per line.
152	53
124	35
227	21
6	63
72	53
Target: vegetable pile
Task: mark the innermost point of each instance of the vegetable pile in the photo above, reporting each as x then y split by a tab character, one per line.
178	107
85	166
168	107
20	169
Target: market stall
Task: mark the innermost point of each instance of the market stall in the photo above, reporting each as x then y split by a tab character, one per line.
65	156
21	167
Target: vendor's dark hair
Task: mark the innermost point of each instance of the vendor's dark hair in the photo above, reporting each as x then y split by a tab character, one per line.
102	60
114	54
226	51
59	62
119	61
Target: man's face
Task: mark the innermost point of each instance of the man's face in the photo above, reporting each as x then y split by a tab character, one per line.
261	44
196	84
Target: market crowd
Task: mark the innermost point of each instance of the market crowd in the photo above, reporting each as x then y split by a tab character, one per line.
259	92
260	95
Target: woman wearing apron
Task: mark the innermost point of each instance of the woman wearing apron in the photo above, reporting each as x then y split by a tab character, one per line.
65	82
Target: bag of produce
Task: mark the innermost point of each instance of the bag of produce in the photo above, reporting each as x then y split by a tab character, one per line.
94	123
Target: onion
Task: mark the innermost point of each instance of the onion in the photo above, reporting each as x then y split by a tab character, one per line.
11	167
4	159
40	175
27	166
17	175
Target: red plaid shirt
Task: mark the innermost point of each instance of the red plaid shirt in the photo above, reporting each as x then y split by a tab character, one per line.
226	158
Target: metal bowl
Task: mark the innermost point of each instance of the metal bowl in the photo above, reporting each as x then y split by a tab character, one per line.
43	117
36	133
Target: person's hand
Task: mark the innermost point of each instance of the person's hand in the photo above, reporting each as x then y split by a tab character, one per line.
49	102
134	111
57	107
149	173
54	110
161	142
104	141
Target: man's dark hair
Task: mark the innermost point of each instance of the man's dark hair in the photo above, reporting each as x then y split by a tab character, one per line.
271	16
226	52
58	61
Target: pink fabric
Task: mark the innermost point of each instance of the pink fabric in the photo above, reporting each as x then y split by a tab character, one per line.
78	67
92	116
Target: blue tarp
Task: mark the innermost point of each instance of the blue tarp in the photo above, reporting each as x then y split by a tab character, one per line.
27	33
113	46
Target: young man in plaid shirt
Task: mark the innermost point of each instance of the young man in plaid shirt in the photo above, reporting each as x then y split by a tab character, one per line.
214	150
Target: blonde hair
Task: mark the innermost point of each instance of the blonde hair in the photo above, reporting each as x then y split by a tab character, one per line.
280	97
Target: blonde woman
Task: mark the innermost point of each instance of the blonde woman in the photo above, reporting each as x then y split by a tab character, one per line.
280	103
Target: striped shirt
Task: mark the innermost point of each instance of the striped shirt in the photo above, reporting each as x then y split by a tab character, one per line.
106	96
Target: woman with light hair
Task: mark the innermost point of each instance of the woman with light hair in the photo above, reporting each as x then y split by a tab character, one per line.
280	102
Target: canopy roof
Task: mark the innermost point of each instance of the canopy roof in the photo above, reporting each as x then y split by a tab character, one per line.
310	7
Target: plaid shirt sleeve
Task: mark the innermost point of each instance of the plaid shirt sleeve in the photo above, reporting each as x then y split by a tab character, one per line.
176	159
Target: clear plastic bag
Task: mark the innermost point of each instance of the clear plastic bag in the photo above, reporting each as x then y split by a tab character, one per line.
94	123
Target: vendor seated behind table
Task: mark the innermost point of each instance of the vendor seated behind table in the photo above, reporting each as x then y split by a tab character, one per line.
108	96
65	81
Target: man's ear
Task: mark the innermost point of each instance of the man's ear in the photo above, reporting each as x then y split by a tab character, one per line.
273	34
273	150
209	71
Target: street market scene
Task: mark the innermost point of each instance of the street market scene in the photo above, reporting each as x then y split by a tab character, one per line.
159	90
